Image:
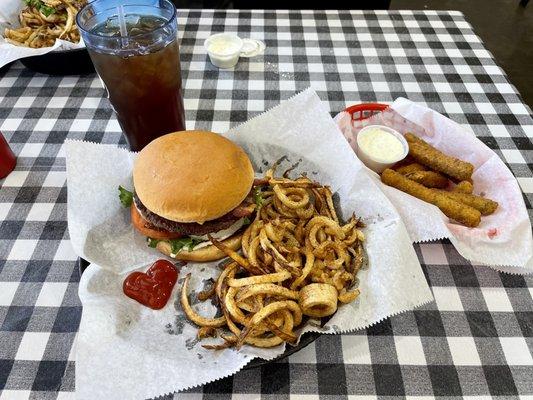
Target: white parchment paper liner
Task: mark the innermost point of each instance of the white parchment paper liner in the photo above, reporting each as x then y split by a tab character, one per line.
503	240
9	12
126	350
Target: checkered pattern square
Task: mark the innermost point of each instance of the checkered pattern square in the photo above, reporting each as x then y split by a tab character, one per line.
475	340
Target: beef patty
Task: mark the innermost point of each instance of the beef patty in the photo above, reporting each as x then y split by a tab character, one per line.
244	209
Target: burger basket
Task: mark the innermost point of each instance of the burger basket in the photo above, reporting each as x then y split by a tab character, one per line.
358	112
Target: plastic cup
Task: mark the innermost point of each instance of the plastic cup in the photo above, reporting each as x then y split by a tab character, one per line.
134	48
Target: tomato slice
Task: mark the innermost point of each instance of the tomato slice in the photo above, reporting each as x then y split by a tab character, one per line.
148	229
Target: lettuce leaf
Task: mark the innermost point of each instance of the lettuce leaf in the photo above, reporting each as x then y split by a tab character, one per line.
258	196
153	242
185	243
125	196
39	5
176	245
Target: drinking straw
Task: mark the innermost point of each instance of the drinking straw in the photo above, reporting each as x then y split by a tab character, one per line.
123	28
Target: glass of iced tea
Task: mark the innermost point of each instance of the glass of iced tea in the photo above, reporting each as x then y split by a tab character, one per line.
134	48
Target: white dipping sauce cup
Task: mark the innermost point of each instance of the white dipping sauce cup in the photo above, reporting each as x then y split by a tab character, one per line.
224	49
371	161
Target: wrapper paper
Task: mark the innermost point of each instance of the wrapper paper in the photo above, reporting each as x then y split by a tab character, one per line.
503	240
9	18
126	350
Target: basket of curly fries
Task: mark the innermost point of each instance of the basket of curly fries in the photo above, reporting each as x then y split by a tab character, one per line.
44	21
33	28
324	251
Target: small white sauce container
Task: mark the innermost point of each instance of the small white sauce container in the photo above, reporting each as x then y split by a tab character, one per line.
371	161
224	49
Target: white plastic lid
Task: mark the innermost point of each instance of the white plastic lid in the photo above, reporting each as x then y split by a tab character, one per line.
252	48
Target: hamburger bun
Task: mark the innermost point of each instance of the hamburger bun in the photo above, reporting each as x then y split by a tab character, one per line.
192	176
204	254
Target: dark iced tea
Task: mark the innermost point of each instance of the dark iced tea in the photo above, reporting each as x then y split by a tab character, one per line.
142	76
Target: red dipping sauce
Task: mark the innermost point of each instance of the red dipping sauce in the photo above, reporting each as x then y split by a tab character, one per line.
153	287
7	158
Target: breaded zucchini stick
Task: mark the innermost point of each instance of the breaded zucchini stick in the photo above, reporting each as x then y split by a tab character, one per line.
410	168
427	155
430	179
453	209
464	187
483	205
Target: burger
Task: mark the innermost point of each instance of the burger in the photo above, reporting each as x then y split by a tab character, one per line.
188	185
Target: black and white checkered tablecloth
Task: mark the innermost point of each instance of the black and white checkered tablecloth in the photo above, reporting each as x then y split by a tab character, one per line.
476	339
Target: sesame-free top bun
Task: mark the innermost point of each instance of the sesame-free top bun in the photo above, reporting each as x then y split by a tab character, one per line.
192	176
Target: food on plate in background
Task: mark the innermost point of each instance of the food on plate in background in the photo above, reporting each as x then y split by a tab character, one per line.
431	174
135	50
44	21
188	185
379	147
299	260
153	287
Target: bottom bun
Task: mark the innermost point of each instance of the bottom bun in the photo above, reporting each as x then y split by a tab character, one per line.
204	254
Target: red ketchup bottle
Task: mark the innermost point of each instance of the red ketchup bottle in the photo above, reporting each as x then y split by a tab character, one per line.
7	158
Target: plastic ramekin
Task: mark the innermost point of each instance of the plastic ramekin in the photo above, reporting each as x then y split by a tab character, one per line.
374	163
226	57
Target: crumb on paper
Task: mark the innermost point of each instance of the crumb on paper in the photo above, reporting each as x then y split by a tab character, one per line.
492	233
168	329
191	342
318	326
176	327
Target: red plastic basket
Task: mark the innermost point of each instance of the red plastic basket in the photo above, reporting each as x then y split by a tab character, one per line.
363	111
